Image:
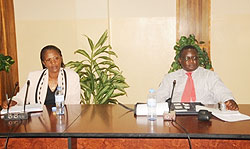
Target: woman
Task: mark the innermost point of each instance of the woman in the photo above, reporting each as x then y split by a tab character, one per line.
43	83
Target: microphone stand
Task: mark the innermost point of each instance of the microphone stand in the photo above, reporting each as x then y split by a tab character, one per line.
16	84
170	115
17	116
24	115
9	116
170	101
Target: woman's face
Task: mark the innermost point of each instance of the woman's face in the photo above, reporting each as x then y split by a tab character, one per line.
52	61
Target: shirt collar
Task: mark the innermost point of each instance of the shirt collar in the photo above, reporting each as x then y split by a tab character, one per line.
193	72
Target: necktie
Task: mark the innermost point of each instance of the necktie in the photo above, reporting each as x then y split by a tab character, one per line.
189	91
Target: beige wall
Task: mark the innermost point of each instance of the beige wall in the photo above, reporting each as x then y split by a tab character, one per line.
230	46
143	34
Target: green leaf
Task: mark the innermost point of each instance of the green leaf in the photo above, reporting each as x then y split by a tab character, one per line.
113	66
102	39
106	63
79	68
122	90
111	53
97	68
113	71
85	86
87	95
72	64
107	96
105	58
117	94
83	52
177	48
101	50
118	77
91	45
104	77
102	92
5	62
121	85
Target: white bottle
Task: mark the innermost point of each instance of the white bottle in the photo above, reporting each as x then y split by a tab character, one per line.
60	124
151	104
59	99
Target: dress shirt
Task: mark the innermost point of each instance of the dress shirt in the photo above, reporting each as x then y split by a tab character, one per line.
209	88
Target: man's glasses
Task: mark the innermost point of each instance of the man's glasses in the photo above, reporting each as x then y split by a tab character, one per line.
194	58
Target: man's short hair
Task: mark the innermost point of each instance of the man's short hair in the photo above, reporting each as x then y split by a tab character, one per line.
187	47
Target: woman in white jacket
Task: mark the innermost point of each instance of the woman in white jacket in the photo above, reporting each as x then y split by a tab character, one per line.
43	84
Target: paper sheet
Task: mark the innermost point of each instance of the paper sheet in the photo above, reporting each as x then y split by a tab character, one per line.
143	110
227	115
28	108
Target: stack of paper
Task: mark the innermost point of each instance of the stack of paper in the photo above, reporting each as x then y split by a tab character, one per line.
28	108
142	109
227	115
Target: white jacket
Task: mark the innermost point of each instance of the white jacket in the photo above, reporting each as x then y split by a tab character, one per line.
37	92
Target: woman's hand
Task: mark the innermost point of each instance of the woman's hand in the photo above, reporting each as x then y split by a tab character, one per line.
231	105
5	104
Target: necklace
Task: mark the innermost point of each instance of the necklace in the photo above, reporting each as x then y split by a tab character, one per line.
52	84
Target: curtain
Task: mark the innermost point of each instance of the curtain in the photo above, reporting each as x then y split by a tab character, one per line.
8	47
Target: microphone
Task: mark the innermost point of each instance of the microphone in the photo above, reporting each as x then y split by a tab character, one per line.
25	100
24	115
13	93
170	115
170	101
19	116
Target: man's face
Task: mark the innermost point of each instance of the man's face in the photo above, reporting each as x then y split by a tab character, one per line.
189	60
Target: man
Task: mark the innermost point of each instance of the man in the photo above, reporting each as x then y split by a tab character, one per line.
194	83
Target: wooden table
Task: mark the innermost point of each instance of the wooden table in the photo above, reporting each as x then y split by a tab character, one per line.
112	126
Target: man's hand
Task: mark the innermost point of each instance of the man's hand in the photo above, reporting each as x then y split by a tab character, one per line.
5	104
231	105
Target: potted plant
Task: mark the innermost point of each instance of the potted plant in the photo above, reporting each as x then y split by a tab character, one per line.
204	60
5	62
100	78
